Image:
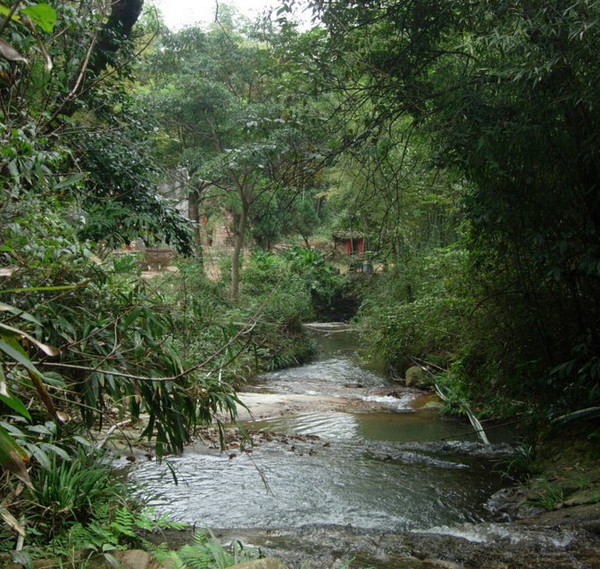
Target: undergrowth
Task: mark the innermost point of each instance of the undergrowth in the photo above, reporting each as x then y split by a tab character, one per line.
204	553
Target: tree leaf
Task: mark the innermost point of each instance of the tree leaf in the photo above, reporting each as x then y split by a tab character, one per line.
70	181
48	350
56	450
41	430
17	354
18	312
14	403
10	520
5	11
12	457
41	15
41	457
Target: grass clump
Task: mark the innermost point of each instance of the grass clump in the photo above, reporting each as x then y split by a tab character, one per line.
550	495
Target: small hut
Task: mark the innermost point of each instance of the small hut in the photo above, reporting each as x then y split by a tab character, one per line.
352	243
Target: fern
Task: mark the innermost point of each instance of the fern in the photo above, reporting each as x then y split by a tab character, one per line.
102	535
147	521
160	552
175	562
91	536
201	537
196	557
124	522
205	553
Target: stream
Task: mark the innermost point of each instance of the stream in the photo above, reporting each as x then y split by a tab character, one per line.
342	458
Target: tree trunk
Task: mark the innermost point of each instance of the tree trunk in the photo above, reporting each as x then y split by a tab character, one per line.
123	16
237	250
194	215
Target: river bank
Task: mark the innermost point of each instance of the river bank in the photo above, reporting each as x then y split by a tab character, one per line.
336	464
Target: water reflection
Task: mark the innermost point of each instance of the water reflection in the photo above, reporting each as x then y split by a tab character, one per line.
380	426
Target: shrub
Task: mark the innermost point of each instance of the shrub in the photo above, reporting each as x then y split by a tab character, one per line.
420	310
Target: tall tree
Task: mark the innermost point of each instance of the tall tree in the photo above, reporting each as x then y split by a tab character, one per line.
66	136
221	94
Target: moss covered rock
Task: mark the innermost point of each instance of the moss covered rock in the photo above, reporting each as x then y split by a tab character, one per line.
418	377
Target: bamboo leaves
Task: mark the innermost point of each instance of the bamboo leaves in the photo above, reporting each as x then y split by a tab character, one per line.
13	457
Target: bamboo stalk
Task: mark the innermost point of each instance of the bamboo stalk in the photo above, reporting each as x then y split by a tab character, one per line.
477	426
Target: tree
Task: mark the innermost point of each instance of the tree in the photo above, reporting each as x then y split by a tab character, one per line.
220	93
119	196
54	294
506	92
389	189
60	130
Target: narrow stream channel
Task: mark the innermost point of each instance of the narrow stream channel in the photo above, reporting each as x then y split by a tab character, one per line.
343	446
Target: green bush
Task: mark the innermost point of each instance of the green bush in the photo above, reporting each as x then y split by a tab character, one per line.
420	309
333	295
261	332
73	490
267	278
76	504
263	271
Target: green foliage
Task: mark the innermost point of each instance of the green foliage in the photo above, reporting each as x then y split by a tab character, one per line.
103	354
41	15
61	141
77	504
421	309
27	160
73	490
38	441
389	189
261	332
207	553
284	301
39	234
87	343
332	294
220	96
119	198
504	94
550	495
288	301
80	325
25	23
521	464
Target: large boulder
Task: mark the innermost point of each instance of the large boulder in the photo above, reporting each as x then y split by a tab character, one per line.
418	377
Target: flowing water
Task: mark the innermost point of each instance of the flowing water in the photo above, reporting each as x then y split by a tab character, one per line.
346	447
